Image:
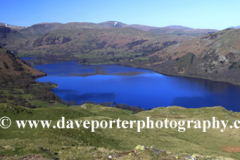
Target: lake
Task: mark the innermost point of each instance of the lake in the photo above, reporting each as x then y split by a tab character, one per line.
136	87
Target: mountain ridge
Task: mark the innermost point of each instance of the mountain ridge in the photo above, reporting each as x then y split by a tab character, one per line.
77	39
235	26
113	24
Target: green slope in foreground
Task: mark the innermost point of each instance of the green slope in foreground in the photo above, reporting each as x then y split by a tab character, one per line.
83	144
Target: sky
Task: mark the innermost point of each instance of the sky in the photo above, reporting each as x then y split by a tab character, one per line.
211	14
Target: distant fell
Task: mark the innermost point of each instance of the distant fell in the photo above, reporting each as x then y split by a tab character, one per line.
11	26
235	26
182	31
114	24
39	29
141	27
178	27
171	30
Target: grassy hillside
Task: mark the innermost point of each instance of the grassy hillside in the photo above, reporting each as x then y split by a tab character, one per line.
13	65
108	41
216	57
18	85
117	143
82	40
72	41
21	98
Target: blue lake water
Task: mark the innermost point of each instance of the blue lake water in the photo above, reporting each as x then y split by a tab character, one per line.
27	58
136	87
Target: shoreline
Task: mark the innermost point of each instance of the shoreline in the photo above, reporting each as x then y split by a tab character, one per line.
186	76
203	81
139	67
172	75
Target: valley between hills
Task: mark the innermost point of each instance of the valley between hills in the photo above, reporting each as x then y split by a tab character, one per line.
172	50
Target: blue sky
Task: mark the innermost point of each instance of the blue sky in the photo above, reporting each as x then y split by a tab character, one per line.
213	14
